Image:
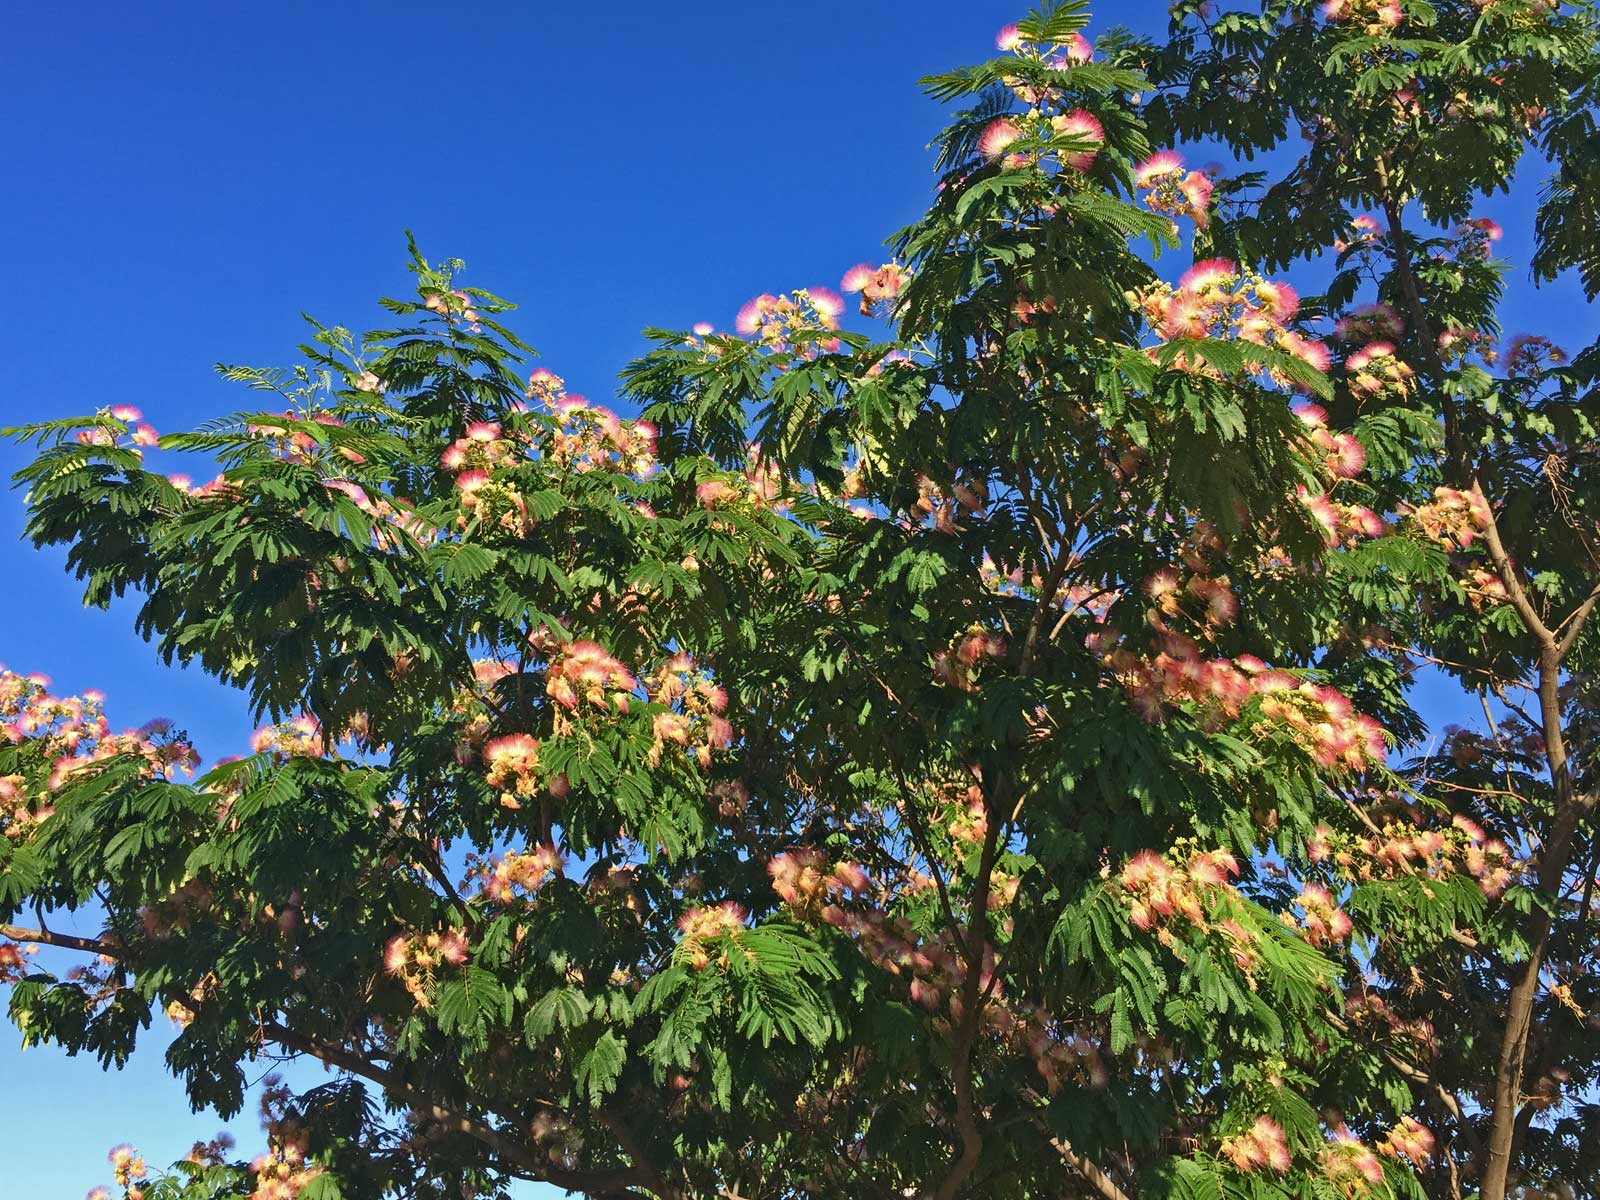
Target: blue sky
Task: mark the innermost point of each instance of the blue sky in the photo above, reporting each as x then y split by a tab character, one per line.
180	181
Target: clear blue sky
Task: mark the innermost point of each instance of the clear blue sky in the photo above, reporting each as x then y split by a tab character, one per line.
178	181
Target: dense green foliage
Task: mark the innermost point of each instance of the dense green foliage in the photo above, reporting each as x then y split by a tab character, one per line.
947	761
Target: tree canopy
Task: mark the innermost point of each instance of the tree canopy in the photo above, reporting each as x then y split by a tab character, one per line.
970	757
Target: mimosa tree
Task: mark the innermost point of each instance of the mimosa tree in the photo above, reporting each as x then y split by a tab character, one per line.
964	751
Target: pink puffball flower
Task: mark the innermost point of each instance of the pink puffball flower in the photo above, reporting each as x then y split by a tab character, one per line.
1278	300
1349	456
470	481
857	277
714	492
1197	187
997	137
1207	273
1009	37
1080	125
353	490
826	301
749	318
1164	162
1313	354
126	412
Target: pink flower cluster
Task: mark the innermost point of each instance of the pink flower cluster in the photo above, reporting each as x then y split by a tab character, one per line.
1053	121
1318	718
300	737
1474	238
73	735
1207	601
1162	895
1456	345
474	458
482	447
14	961
937	511
115	423
794	321
584	673
1323	921
1322	721
805	882
591	437
282	1173
1369	1008
1350	1167
212	1153
1376	370
1343	457
1409	1139
709	924
935	973
1341	524
1075	135
1363	235
1453	518
1216	299
1262	1146
693	716
578	436
1071	50
513	762
1169	188
879	286
1376	17
524	870
298	446
130	1172
713	493
1529	355
1483	587
958	665
416	959
454	306
127	1168
1404	849
1370	323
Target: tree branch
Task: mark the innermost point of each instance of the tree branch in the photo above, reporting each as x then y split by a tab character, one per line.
596	1183
65	941
1410	1071
1102	1183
